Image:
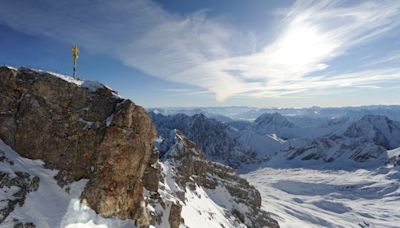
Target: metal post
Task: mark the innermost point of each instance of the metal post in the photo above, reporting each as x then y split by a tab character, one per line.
75	54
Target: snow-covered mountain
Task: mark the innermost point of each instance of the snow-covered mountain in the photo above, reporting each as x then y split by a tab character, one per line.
367	139
379	129
263	145
212	136
271	123
271	138
323	167
240	146
304	117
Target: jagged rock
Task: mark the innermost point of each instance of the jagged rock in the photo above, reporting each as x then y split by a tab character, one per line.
175	215
19	224
152	174
22	183
213	137
194	170
85	131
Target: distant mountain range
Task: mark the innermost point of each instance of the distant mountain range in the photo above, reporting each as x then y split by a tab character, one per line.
311	116
273	138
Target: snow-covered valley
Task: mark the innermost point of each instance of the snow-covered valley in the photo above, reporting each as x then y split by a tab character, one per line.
301	197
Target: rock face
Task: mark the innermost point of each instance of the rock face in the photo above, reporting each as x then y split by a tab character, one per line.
192	170
85	131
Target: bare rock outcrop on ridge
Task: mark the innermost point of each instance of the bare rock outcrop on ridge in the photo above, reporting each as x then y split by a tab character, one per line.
84	130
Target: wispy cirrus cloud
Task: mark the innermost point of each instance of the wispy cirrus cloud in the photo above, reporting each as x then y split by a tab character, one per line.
214	55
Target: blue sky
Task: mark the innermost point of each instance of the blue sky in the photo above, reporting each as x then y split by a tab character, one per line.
215	53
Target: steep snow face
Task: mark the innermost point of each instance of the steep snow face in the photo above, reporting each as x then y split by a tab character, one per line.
198	209
264	145
29	194
271	123
212	136
380	129
279	125
305	197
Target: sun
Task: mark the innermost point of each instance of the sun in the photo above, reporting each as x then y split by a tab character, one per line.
303	45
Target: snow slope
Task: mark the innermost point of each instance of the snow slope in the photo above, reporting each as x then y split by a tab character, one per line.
50	205
198	209
327	198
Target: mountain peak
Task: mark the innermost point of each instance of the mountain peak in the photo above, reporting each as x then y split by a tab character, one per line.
382	130
92	86
271	123
274	119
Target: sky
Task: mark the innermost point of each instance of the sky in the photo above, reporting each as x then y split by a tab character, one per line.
179	53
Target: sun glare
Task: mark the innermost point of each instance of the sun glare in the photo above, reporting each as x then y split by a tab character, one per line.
303	45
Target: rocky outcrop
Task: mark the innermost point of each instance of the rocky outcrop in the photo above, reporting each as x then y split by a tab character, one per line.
174	218
84	130
192	170
22	183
